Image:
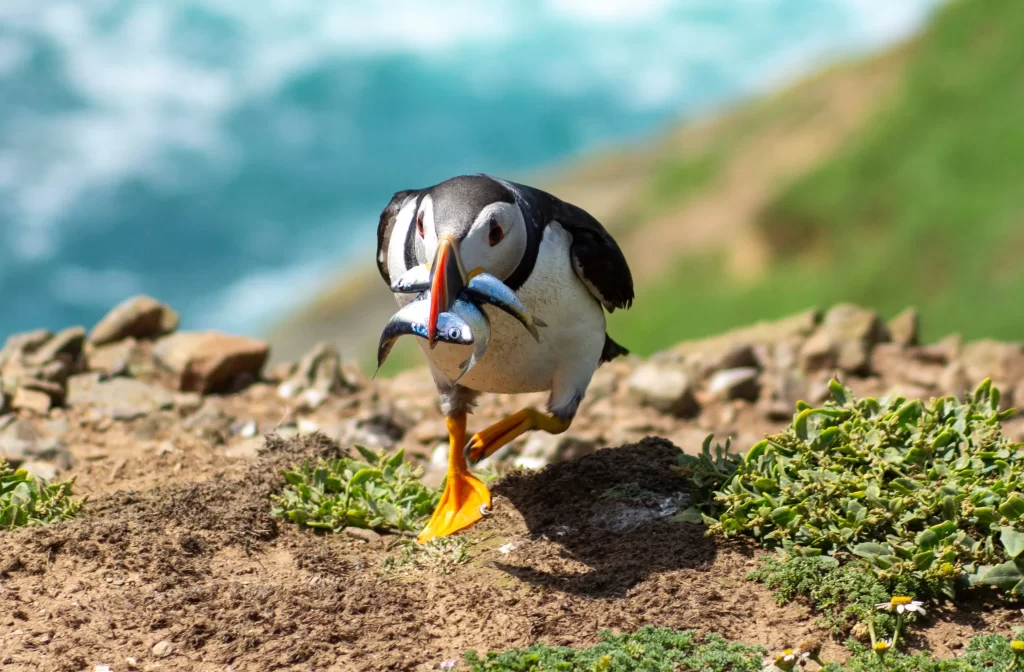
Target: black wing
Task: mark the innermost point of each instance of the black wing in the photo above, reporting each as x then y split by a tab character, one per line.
384	228
596	256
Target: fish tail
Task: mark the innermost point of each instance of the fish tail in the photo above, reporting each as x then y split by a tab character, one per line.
539	322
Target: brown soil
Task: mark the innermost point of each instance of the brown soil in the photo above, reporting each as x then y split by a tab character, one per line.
201	564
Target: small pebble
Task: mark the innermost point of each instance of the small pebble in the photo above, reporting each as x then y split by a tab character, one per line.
162	649
362	534
249	430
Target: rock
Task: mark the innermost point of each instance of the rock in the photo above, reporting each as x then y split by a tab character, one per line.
904	327
31	400
247	449
187	402
990	359
740	355
954	381
162	649
25	343
248	429
209	423
41	469
319	369
796	326
899	363
544	448
665	388
137	317
362	534
65	346
380	429
844	340
114	359
22	440
205	361
280	372
737	383
54	391
120	398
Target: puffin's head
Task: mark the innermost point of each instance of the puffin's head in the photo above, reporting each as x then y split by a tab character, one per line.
469	225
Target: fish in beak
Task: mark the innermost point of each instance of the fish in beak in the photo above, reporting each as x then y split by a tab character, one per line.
446	281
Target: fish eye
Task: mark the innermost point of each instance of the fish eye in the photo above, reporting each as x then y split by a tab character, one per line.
454	332
495	233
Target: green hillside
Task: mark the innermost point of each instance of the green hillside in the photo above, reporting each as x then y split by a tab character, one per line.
922	205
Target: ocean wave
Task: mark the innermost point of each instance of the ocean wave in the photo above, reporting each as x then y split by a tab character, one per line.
127	117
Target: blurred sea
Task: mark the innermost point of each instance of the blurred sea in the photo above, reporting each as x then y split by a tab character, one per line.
227	155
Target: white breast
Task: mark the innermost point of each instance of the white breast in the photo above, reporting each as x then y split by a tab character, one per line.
570	345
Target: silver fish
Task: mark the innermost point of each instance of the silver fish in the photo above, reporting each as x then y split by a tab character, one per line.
412	319
485	288
481	328
413	281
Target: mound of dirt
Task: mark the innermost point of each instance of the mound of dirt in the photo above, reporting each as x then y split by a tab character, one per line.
197	576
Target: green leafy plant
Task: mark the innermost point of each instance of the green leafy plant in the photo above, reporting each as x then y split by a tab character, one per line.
27	500
707	473
379	491
927	493
649	649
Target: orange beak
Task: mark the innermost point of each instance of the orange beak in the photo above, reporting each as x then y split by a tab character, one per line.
445	284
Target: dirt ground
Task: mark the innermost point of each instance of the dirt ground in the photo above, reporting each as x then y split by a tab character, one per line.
200	565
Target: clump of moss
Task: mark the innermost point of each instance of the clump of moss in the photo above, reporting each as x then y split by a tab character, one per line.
649	649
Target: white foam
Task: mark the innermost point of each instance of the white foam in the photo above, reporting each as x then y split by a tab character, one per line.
149	91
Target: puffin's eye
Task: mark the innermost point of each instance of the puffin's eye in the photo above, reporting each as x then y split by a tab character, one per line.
495	233
419	224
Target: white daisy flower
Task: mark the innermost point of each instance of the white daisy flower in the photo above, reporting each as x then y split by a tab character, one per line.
901	604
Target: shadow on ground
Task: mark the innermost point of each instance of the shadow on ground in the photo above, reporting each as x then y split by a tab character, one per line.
608	512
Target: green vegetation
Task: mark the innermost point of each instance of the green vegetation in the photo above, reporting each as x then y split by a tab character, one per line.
649	649
379	492
27	501
988	652
928	495
921	206
652	649
845	594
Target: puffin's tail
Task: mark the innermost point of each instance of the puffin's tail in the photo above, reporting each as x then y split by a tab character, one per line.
611	350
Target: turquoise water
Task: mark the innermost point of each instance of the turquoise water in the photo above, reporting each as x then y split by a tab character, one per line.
227	155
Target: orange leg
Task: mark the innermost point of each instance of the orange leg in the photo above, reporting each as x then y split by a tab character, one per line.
465	499
485	442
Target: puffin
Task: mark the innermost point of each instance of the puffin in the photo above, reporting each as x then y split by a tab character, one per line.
566	269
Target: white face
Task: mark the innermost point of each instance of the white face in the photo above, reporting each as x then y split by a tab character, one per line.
495	243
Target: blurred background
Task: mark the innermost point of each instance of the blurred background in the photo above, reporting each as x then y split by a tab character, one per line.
754	157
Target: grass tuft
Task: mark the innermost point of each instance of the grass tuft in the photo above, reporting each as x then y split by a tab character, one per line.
649	649
29	501
378	492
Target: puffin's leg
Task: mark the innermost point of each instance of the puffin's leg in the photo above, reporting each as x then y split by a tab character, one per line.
485	442
465	499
